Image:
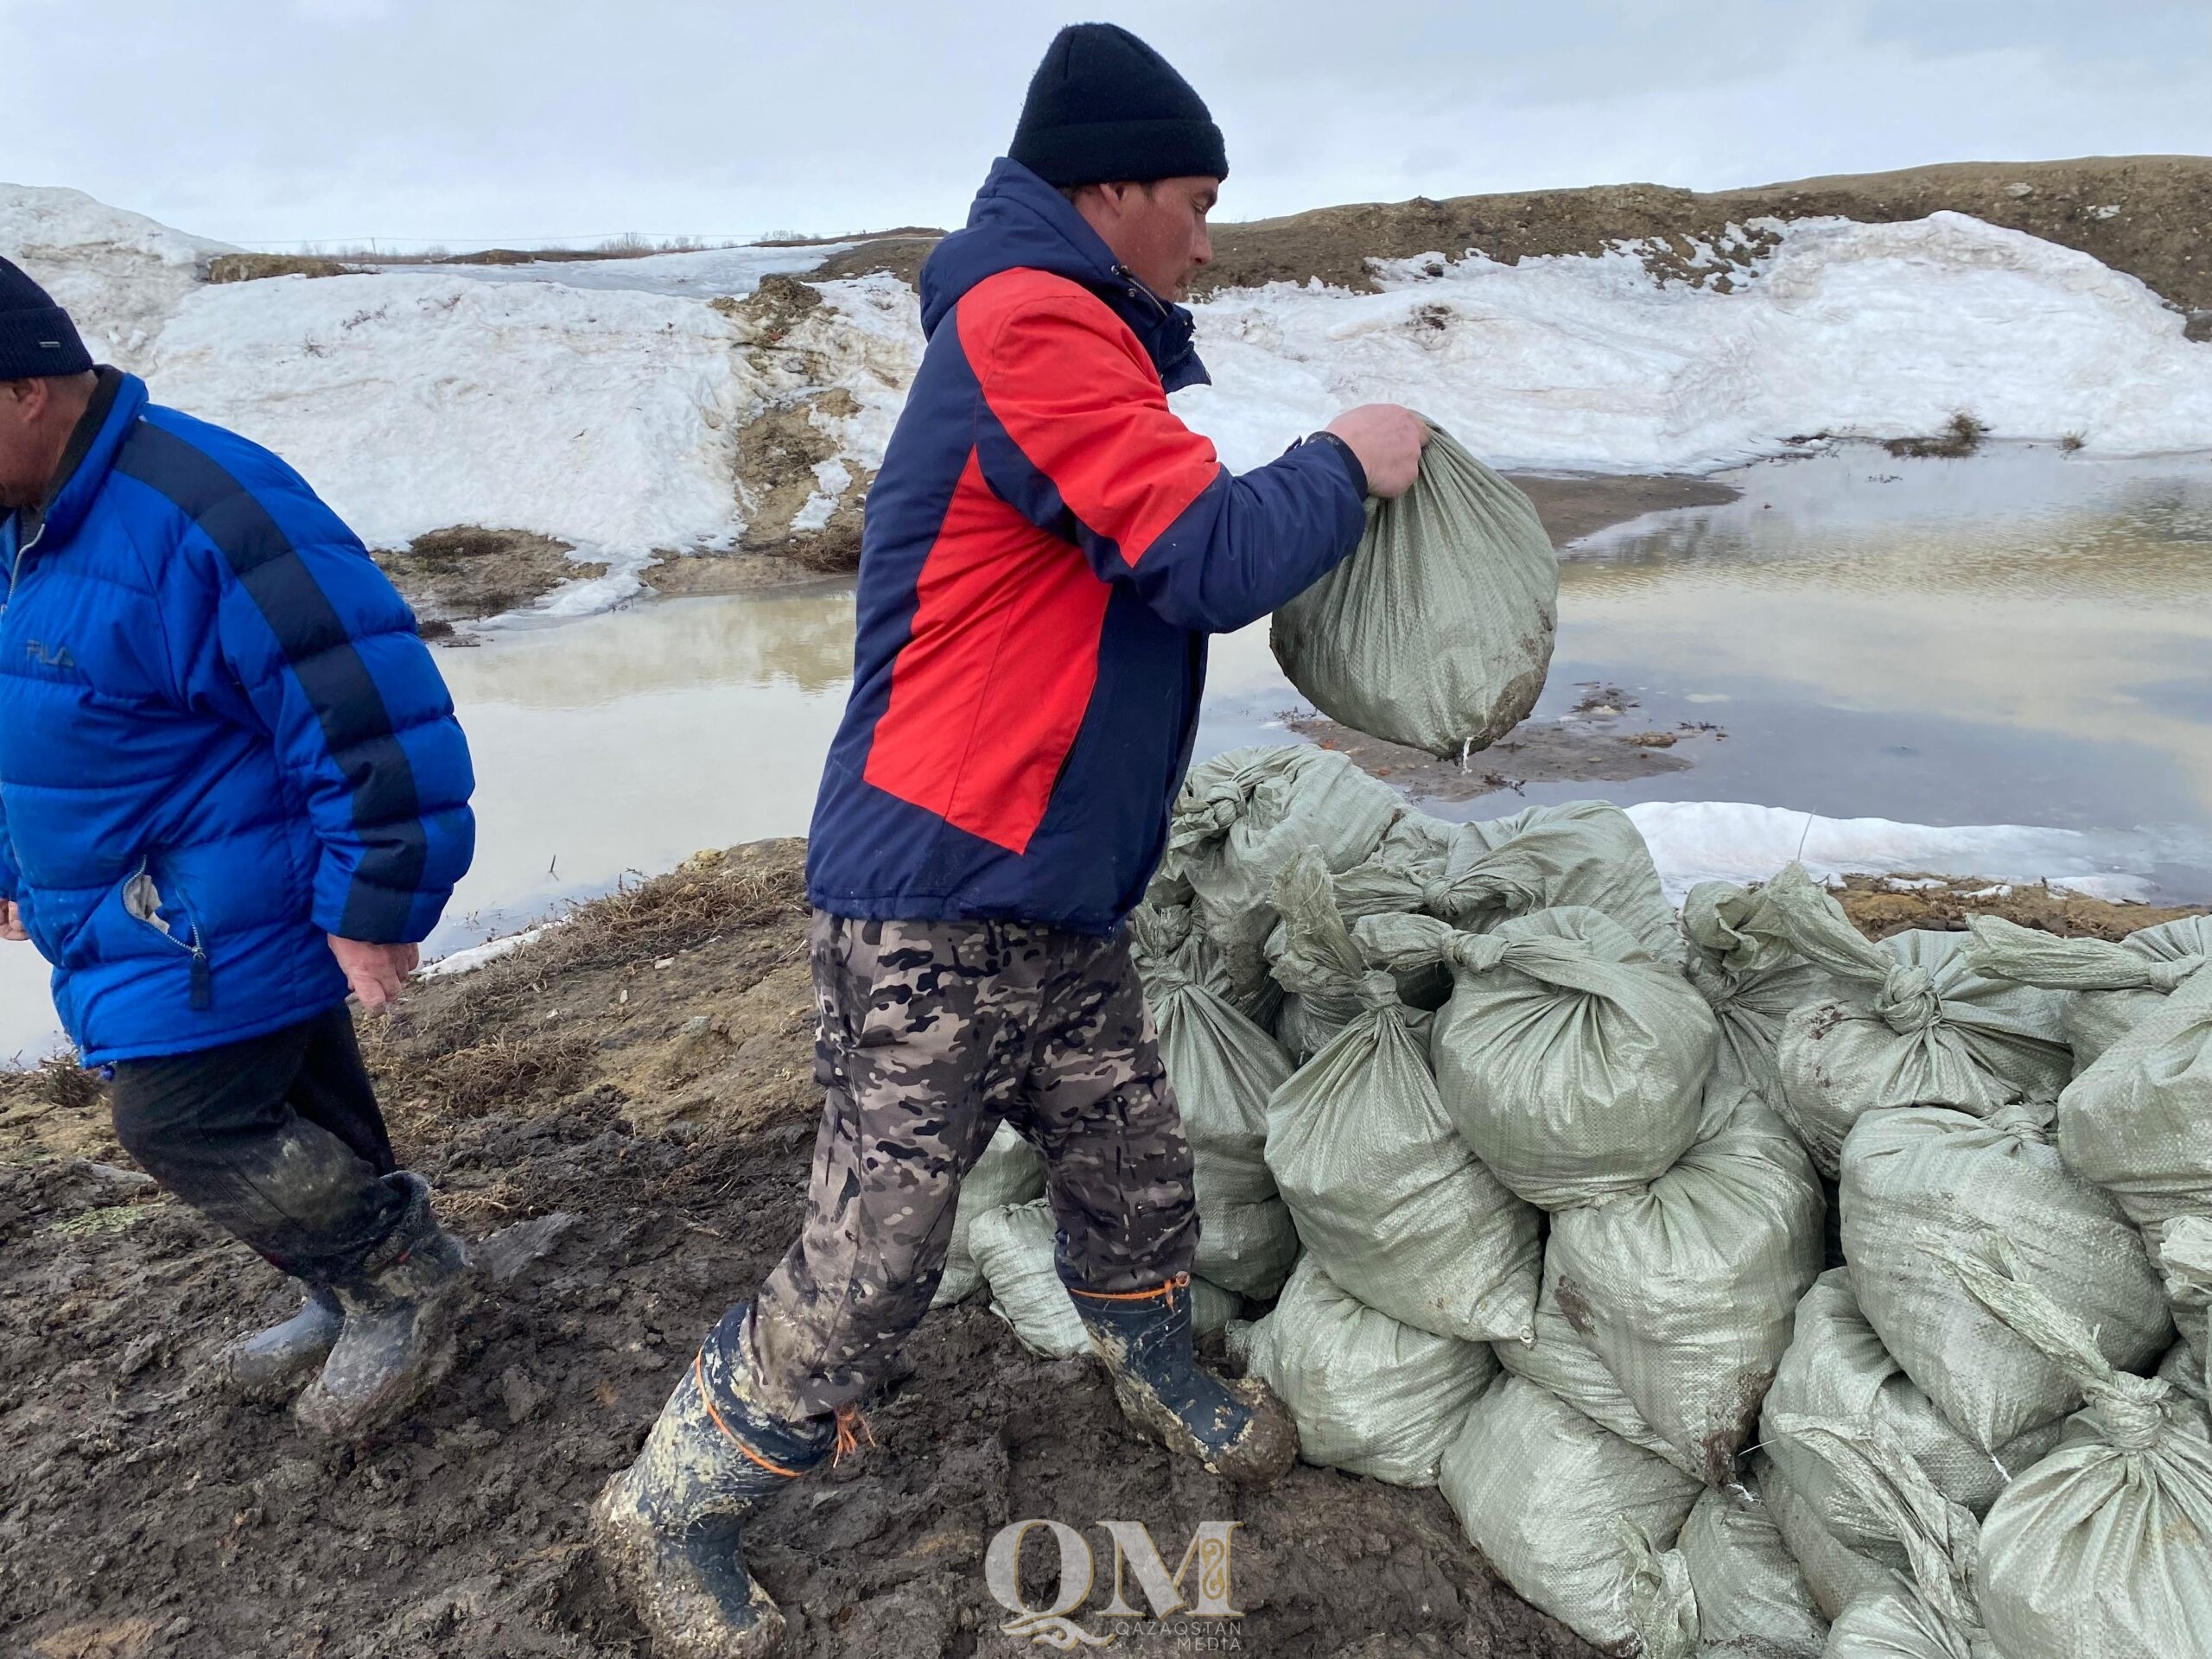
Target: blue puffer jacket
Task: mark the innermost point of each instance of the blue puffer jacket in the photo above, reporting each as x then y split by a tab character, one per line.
220	739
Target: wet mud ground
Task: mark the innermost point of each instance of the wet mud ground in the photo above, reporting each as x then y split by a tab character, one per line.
645	1071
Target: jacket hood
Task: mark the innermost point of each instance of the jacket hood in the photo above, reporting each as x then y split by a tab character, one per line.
1017	222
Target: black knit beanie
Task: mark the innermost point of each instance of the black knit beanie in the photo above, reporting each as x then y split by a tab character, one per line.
36	337
1105	107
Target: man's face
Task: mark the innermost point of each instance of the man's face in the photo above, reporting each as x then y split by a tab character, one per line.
27	457
1157	230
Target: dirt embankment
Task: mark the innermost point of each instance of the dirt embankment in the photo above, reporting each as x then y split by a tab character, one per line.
452	577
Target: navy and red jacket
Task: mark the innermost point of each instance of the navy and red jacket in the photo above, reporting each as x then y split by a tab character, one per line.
1046	547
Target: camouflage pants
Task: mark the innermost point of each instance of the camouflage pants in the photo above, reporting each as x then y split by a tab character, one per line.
930	1033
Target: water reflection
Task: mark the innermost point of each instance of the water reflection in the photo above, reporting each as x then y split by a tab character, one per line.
2028	594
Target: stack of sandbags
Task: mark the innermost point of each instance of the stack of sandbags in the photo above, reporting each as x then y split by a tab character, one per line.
1412	1247
1397	1208
1224	1069
2114	987
1912	1024
1437	632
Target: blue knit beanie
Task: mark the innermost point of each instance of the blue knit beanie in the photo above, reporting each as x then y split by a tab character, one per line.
36	337
1104	107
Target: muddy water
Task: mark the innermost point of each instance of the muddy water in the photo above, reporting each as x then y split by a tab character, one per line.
2022	638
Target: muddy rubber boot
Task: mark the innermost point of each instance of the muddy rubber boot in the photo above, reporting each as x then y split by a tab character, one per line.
268	1363
667	1528
398	1336
1236	1428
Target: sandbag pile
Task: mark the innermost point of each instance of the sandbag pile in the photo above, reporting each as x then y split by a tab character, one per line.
1543	1183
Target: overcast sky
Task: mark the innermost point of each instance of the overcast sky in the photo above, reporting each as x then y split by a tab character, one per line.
271	122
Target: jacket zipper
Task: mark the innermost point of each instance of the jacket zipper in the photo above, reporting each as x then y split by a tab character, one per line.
15	573
203	979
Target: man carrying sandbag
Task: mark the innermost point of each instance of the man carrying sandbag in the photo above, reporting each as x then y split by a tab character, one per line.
1048	547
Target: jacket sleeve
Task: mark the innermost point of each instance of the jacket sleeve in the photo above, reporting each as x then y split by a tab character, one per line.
327	658
1075	433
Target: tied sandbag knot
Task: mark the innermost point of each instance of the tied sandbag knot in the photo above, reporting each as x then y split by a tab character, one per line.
1907	1001
1378	990
1716	985
2170	977
1476	952
2134	1420
1205	821
2026	1121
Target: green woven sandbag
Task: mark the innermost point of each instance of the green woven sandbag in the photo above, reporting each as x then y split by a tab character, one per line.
1369	1394
1753	980
1437	632
1687	1289
1837	1371
2104	1547
1224	1069
1912	1024
1573	1062
2138	1122
1929	1612
2115	986
1729	1588
1927	1170
1541	1490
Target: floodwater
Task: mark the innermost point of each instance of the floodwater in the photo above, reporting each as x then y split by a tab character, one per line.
2021	637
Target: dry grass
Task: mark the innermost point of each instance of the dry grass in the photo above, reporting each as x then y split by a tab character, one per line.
1955	442
500	1072
252	267
711	895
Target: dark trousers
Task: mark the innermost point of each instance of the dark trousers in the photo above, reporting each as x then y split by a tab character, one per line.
276	1139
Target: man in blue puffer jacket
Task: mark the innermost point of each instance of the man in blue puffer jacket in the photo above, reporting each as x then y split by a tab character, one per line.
231	785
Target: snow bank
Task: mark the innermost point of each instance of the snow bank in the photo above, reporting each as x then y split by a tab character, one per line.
417	402
120	275
1849	329
1727	840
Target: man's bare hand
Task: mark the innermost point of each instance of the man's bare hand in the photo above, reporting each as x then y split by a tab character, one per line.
375	971
1387	439
11	924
